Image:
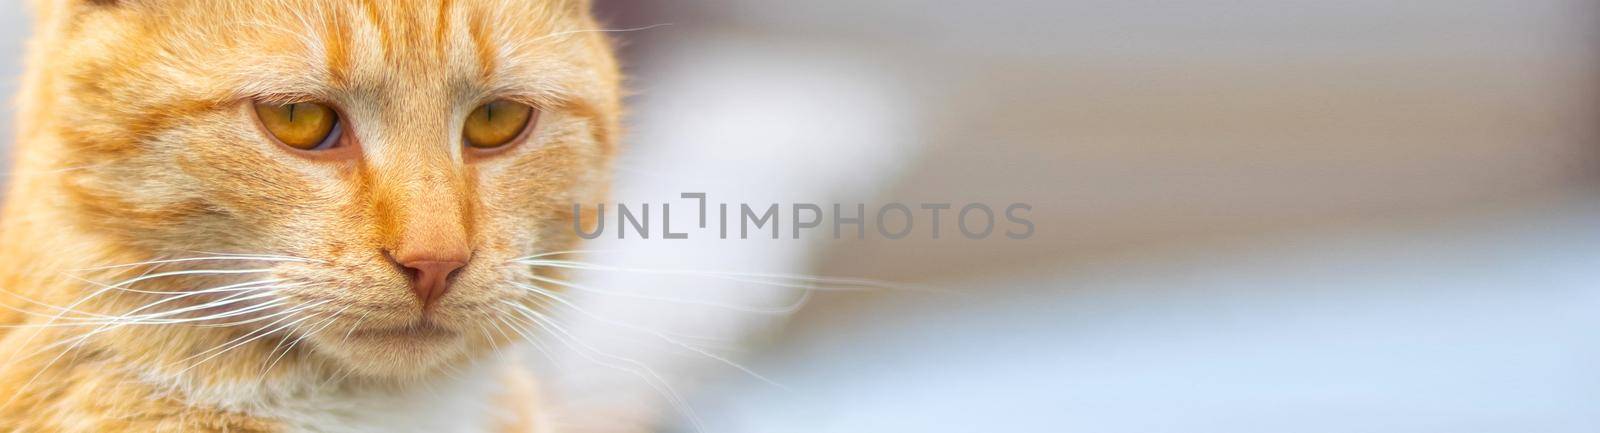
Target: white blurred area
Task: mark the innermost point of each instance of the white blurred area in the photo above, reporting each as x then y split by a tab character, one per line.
1253	216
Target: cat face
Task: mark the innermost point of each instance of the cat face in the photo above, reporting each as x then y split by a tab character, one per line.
396	156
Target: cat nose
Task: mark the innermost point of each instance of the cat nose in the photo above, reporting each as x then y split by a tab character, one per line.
430	272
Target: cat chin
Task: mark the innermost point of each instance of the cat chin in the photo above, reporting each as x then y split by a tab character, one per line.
396	355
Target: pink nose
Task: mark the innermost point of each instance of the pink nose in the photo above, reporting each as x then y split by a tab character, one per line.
430	274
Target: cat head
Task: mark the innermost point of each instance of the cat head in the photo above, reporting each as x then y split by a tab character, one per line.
382	162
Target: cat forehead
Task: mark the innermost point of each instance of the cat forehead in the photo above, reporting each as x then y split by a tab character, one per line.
311	46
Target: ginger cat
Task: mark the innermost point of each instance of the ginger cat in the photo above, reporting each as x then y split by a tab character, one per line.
293	215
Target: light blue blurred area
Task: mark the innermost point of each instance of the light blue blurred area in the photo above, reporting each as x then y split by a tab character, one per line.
14	29
1483	323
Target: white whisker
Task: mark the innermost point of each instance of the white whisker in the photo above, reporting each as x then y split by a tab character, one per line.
554	253
658	334
247	338
572	32
805	295
807	282
316	329
644	372
202	259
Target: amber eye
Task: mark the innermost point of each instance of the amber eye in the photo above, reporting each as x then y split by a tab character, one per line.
497	123
304	126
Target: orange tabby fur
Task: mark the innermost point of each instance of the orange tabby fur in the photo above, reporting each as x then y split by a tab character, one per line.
136	144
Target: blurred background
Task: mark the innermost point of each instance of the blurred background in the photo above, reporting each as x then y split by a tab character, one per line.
1252	216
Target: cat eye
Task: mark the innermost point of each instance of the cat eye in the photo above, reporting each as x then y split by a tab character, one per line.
303	125
497	124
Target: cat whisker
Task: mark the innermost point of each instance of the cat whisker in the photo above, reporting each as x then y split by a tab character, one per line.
264	257
120	286
156	318
511	321
805	295
250	294
213	258
644	372
61	311
626	30
263	335
316	329
242	289
124	284
105	323
556	253
658	334
72	344
106	327
247	310
494	346
257	334
806	282
353	326
566	303
263	288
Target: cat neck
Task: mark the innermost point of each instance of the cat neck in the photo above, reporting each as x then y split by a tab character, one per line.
307	399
